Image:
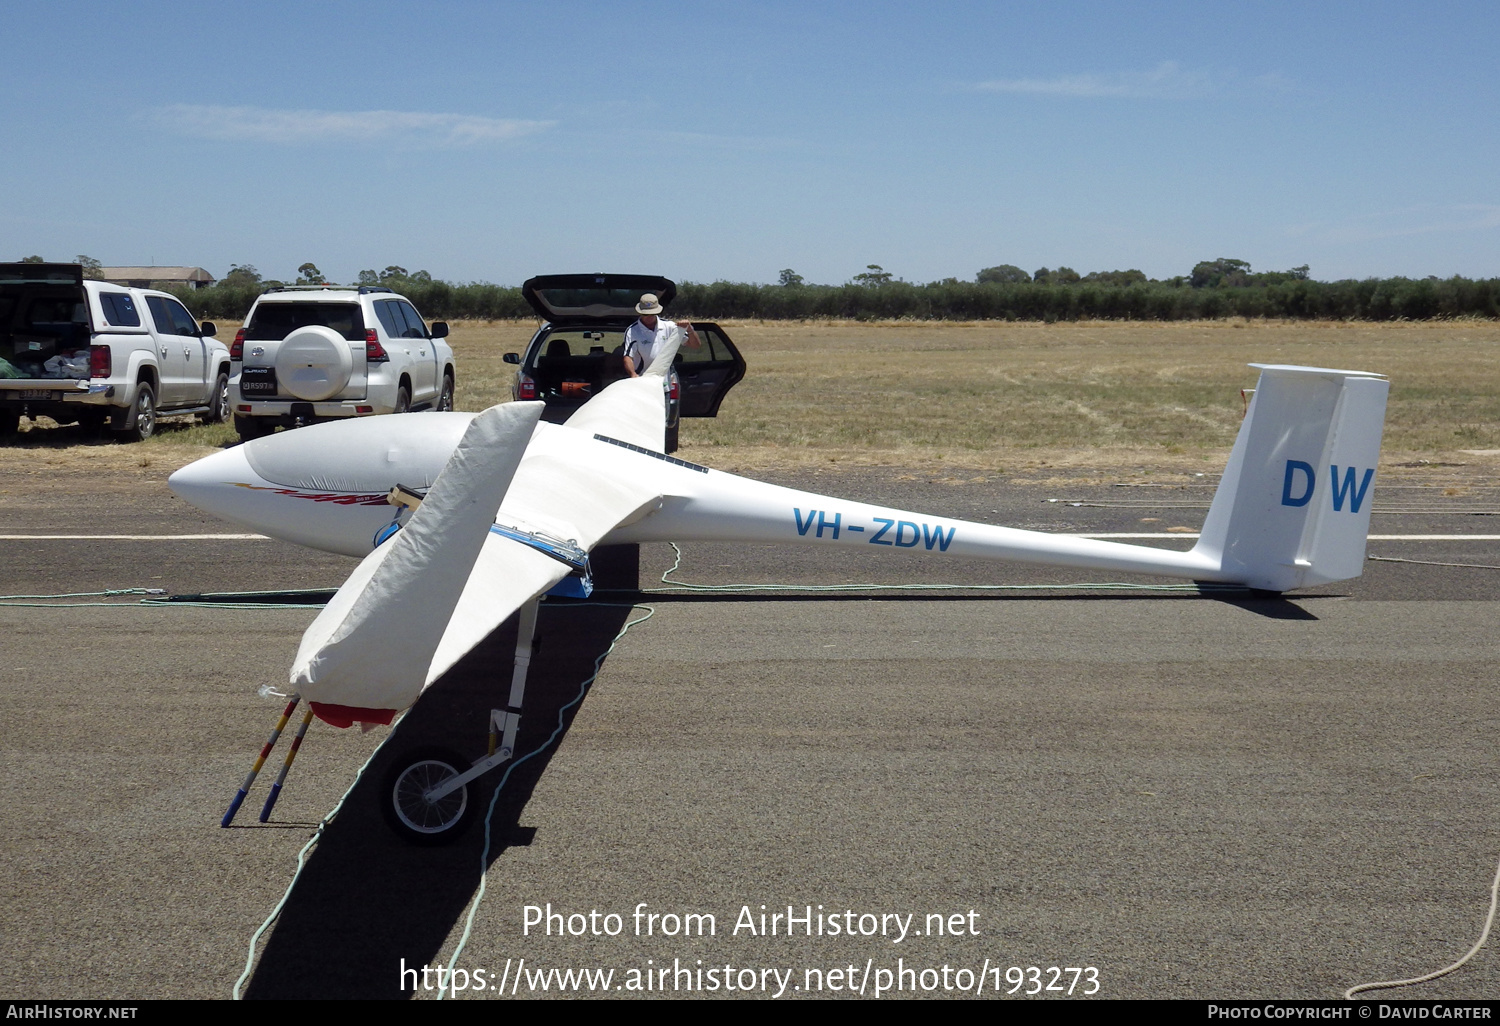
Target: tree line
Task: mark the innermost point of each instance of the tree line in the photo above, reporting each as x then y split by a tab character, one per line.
1214	289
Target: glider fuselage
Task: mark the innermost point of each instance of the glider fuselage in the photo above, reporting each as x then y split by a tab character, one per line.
278	494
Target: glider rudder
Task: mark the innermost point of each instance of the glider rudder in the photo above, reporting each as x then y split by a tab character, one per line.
1293	507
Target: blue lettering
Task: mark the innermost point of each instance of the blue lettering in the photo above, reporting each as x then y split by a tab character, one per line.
916	534
935	536
1292	466
1347	489
823	522
888	525
854	527
801	527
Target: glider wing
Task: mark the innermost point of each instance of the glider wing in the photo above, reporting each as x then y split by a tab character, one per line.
513	512
633	410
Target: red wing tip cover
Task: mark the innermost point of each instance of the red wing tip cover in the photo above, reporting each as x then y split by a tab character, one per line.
348	715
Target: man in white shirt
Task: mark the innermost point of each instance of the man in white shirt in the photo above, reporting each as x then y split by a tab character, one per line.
644	338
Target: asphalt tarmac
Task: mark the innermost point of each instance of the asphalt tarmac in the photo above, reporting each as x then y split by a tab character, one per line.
1191	796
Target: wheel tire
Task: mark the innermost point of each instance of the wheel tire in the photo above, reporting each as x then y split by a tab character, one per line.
414	819
403	399
220	409
251	428
671	445
445	397
141	420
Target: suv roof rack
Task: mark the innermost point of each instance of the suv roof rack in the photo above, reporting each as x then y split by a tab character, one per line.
325	287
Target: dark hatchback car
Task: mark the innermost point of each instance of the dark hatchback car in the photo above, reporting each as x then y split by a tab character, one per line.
580	347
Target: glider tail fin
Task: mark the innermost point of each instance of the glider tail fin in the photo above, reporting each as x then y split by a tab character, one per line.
1293	507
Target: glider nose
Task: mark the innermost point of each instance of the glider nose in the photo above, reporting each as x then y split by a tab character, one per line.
215	484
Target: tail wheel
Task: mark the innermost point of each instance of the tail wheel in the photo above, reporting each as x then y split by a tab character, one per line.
408	811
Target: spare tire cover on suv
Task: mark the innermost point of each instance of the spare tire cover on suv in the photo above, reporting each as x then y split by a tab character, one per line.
313	363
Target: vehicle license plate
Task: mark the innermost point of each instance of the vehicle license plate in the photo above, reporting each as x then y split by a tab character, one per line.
258	381
39	393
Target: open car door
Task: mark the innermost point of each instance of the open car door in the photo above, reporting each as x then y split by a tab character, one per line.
708	372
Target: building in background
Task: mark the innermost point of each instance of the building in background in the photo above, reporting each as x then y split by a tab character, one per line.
149	277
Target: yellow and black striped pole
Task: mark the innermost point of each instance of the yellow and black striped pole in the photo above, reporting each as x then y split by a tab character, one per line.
239	797
265	813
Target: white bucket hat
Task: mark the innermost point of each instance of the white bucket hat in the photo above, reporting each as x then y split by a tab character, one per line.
648	306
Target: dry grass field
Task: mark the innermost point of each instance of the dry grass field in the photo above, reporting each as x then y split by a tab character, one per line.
1026	400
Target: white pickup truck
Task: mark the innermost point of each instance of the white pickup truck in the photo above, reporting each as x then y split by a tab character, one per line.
91	352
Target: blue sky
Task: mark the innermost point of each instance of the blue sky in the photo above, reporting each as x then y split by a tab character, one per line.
493	141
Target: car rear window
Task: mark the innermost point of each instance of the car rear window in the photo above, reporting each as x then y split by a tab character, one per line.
119	310
273	322
564	342
596	302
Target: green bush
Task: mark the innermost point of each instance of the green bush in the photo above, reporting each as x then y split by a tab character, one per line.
1105	296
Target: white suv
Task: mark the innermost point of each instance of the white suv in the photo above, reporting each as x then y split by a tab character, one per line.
310	353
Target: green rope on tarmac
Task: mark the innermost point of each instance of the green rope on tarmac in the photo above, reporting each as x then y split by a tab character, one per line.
91	594
158	598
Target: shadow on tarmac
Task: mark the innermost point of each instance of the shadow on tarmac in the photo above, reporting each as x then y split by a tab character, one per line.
366	899
1274	608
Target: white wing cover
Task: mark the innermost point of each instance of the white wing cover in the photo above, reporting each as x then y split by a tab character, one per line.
418	603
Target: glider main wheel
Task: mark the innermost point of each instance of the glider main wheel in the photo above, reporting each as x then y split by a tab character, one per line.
413	816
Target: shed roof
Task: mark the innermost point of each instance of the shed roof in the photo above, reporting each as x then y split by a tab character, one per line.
122	275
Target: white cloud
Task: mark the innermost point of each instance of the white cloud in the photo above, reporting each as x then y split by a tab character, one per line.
257	124
1168	80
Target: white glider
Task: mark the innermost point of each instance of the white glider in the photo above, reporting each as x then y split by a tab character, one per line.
513	506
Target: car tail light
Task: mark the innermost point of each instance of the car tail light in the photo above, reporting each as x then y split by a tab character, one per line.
525	388
101	362
674	390
374	351
237	348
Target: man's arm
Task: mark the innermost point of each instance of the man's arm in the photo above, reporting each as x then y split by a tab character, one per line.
630	367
